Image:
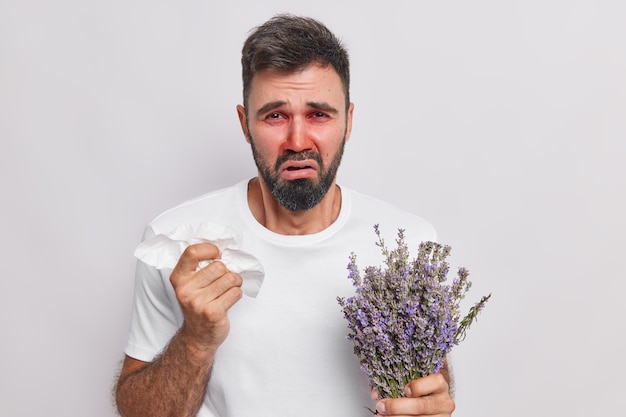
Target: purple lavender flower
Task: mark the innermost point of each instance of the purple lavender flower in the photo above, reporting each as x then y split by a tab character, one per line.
404	318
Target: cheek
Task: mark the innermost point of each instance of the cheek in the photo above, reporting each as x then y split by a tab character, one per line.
263	139
268	152
268	135
329	149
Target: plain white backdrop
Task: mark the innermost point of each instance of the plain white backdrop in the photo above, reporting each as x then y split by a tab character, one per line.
503	123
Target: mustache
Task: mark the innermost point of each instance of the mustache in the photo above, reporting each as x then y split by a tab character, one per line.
299	156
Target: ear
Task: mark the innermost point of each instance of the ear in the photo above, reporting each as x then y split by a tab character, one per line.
241	113
349	121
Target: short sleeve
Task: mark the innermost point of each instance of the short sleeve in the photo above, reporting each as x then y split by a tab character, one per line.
156	315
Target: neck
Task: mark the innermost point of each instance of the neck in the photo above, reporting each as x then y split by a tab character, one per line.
273	216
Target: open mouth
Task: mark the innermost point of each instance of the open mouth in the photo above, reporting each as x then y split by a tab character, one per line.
299	165
299	168
293	170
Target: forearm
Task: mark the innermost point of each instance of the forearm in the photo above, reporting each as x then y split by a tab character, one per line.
174	384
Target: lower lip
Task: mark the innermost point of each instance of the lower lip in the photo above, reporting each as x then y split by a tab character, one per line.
295	174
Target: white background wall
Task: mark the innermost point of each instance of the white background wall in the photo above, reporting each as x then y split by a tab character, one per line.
503	123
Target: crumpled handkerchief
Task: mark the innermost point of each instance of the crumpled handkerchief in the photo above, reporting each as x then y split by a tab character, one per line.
163	251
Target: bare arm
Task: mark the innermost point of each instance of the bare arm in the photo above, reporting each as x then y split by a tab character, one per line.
175	383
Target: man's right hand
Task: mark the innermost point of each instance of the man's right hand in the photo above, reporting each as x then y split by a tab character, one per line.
175	382
205	296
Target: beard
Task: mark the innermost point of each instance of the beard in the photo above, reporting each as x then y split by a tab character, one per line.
302	193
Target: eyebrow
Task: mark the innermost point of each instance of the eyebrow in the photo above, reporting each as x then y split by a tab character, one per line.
323	106
312	104
269	106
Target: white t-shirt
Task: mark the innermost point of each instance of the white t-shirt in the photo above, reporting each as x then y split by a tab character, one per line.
286	354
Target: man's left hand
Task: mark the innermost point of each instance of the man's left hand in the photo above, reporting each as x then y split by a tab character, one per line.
428	396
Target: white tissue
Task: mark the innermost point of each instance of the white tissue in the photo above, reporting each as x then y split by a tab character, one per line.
163	251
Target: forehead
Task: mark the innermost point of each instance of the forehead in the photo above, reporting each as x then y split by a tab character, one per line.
315	82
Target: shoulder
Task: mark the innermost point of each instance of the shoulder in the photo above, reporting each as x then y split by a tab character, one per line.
367	211
212	205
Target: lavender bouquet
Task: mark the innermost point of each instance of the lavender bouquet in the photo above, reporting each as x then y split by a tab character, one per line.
404	318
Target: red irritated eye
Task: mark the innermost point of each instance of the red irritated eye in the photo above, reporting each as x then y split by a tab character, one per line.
275	118
319	115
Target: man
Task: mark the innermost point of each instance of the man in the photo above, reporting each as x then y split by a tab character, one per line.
197	346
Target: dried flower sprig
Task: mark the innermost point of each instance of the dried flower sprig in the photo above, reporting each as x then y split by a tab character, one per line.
404	318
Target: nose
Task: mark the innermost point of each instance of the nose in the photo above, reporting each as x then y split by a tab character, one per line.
298	137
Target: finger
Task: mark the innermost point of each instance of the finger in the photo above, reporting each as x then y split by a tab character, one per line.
194	254
223	284
428	396
215	311
428	385
430	405
230	297
215	305
207	285
210	273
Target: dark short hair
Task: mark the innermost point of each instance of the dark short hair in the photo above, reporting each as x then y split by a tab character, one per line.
288	43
